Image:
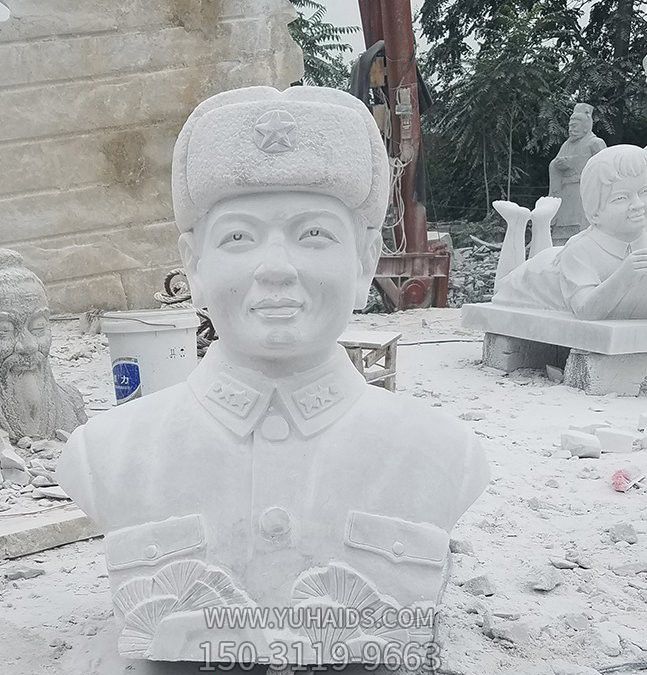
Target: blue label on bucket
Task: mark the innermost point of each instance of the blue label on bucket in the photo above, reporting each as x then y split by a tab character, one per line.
125	373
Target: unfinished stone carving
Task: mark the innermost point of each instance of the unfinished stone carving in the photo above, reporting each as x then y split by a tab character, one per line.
32	403
558	297
565	171
276	477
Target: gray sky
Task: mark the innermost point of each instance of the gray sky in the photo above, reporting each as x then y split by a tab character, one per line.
346	13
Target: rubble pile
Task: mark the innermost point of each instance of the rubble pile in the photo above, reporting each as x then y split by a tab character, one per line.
472	276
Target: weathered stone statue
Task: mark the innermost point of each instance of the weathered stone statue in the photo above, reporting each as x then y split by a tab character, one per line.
32	403
276	478
565	171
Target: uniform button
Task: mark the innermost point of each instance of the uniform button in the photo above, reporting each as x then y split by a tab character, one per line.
151	551
275	522
397	548
275	428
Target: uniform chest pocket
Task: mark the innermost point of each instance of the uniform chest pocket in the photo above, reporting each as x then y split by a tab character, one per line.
398	540
153	543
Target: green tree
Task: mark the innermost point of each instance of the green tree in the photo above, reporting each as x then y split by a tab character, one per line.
518	66
322	44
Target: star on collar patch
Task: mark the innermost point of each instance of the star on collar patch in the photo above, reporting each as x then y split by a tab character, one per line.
275	132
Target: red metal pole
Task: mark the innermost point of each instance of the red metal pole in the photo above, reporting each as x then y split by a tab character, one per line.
371	12
402	79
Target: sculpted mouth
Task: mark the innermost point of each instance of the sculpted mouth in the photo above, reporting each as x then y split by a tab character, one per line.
282	308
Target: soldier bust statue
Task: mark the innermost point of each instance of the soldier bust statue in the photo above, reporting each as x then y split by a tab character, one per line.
565	171
275	478
32	403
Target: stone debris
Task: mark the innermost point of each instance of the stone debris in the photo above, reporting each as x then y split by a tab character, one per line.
515	632
545	579
24	443
623	532
472	416
55	492
43	481
554	374
461	546
480	585
472	276
630	569
562	564
616	440
9	458
581	559
23	572
577	622
606	639
642	422
62	435
552	483
581	445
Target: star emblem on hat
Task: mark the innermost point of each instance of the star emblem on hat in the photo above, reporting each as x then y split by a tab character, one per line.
275	132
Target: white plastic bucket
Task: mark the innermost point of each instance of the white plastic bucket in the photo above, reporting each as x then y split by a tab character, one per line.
150	349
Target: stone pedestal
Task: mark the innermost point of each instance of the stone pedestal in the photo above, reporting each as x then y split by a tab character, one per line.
599	374
599	357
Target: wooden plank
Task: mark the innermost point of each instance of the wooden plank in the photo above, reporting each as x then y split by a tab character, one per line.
24	535
91	56
368	339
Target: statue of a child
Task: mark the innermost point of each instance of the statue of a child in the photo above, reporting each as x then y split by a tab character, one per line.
275	478
600	273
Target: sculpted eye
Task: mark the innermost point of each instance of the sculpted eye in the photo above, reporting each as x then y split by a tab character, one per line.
237	237
317	234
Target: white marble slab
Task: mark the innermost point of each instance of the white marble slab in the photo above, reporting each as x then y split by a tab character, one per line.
558	328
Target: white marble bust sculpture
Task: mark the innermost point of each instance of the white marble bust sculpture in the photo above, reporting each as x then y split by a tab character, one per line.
32	403
600	273
275	477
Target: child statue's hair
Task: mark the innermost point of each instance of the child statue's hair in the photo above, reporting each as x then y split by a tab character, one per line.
606	168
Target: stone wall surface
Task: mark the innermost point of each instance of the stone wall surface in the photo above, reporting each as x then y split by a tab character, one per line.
92	97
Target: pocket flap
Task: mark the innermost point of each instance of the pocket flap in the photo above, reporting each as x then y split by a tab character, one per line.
152	543
396	539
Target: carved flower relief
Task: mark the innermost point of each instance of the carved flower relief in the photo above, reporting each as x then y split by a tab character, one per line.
183	586
191	585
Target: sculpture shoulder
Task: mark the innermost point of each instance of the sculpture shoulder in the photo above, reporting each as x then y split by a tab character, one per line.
151	412
596	144
414	426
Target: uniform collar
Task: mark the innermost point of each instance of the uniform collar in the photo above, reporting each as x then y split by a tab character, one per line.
239	398
616	247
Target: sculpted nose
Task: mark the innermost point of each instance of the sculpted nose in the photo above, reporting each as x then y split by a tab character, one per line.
276	268
26	343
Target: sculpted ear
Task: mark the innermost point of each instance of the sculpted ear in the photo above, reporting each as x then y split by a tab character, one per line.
369	257
188	254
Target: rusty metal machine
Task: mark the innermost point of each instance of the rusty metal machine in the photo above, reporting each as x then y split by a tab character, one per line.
412	272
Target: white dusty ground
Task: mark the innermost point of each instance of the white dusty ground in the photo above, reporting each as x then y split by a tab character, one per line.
539	506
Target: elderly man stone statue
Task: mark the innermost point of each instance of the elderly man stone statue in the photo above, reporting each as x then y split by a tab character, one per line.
276	478
565	171
32	403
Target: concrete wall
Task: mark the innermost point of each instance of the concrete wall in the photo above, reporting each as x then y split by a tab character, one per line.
92	96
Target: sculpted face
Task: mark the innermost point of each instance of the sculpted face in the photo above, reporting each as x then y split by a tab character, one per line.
25	335
279	273
579	125
624	214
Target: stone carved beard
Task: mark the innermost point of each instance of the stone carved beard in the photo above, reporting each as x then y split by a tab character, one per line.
29	397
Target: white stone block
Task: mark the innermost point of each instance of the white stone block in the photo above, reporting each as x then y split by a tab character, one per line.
581	445
558	328
616	440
